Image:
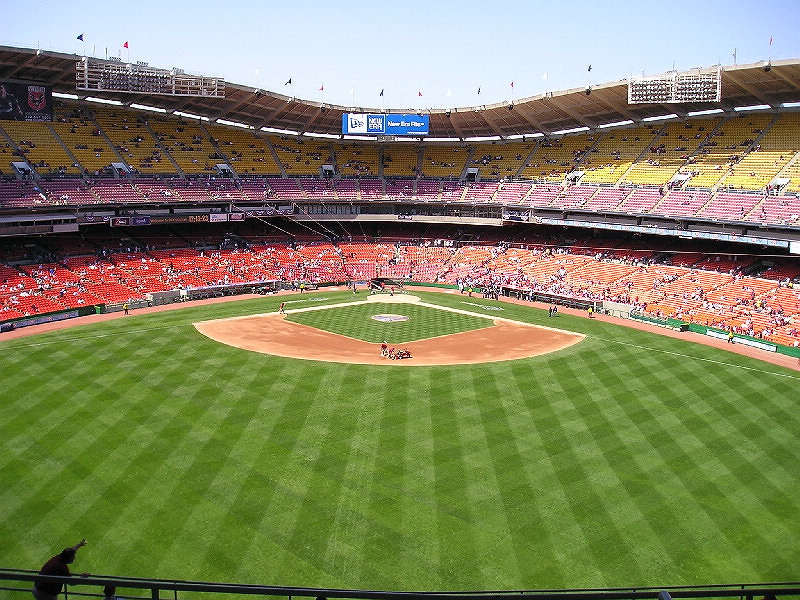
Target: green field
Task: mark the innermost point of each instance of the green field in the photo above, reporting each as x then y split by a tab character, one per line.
356	321
629	459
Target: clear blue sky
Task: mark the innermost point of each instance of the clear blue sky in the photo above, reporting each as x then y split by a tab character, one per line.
445	49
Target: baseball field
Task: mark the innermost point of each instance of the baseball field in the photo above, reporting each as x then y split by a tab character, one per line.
617	458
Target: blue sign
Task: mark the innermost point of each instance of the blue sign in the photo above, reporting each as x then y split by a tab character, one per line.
381	124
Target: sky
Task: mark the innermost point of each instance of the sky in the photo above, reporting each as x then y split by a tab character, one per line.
422	54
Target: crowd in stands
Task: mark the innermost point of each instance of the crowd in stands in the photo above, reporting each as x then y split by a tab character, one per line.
728	292
694	168
751	207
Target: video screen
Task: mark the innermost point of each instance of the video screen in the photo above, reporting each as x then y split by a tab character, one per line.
25	102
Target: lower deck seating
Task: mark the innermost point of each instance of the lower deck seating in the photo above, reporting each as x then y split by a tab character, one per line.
709	289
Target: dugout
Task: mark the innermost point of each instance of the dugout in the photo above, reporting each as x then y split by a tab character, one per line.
383	284
549	298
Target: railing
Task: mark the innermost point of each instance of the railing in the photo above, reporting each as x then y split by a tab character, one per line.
158	589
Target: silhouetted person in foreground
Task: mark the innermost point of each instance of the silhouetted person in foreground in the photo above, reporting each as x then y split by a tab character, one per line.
110	593
58	565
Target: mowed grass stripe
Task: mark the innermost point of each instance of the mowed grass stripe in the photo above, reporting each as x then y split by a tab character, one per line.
591	499
455	521
410	391
295	525
615	474
639	457
676	438
501	485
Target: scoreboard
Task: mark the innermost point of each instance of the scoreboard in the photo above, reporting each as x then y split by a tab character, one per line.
675	87
92	74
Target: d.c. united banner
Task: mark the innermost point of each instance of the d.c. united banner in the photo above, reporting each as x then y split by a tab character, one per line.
25	102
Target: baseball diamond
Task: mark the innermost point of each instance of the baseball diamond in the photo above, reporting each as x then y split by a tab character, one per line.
271	334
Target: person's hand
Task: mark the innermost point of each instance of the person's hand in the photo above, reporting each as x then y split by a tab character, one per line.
80	544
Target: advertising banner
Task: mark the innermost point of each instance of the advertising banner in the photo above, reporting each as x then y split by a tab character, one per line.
381	124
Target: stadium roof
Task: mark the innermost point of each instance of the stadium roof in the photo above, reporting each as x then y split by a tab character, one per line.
772	85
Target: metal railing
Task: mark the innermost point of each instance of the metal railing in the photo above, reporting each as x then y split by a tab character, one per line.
18	583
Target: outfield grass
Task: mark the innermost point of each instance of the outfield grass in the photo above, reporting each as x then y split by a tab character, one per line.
629	459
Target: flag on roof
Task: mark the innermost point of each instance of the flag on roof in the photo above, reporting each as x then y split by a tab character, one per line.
590	68
770	40
125	45
80	37
288	82
479	91
322	87
419	93
512	84
381	94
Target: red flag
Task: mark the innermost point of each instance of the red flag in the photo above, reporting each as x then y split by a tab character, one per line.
322	87
125	45
419	93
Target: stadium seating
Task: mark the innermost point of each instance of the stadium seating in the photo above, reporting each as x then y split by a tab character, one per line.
297	156
371	189
357	160
133	139
38	144
401	160
443	161
248	153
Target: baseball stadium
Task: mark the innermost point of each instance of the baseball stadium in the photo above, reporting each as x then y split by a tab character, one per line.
259	345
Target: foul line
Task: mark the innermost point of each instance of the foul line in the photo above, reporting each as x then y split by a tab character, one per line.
710	360
92	337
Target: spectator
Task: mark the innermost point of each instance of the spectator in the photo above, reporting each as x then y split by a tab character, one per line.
9	105
110	593
58	565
